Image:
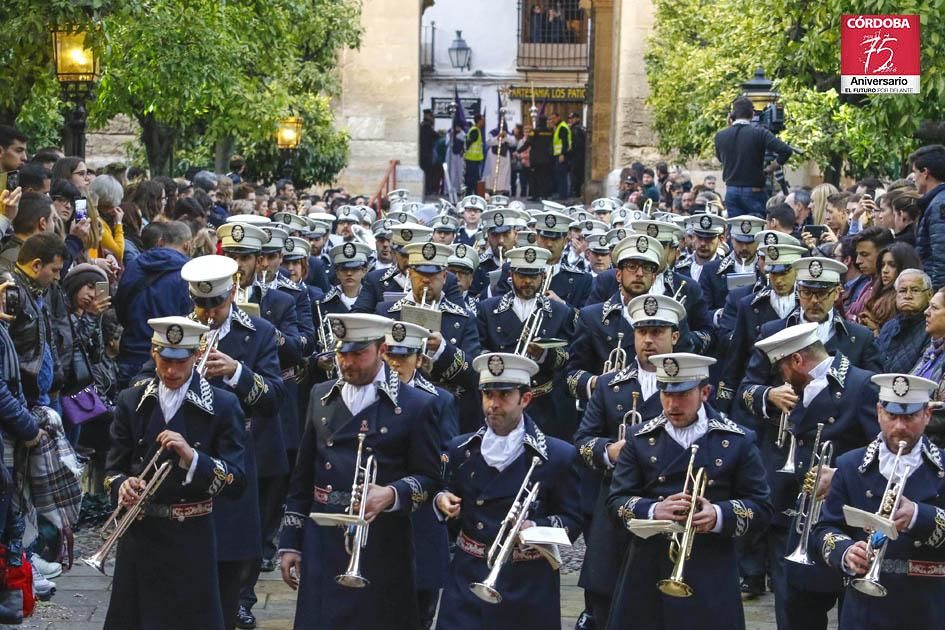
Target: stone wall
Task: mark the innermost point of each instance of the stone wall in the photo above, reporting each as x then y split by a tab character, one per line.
107	145
380	91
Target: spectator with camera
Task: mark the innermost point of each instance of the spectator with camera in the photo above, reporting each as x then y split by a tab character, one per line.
928	168
33	217
741	148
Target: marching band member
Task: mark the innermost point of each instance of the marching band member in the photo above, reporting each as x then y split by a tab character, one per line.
502	322
246	362
740	259
472	208
655	320
463	264
648	481
405	345
166	566
912	564
837	400
484	472
398	425
707	230
501	227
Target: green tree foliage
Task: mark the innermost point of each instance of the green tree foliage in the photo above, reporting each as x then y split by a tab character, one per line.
194	73
701	50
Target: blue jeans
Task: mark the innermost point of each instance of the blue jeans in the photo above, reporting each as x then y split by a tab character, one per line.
562	179
745	200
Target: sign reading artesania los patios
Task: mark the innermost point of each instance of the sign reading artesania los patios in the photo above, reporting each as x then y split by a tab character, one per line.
879	54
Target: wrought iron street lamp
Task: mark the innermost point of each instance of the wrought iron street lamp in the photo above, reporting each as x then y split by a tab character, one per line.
460	53
77	69
288	139
764	99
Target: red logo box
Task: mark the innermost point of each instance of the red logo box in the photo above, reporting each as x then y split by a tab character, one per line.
879	54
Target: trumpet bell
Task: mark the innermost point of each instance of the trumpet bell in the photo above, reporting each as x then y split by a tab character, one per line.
674	588
799	556
352	580
485	592
869	587
97	562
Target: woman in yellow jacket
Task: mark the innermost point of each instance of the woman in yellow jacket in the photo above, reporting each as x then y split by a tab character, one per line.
107	234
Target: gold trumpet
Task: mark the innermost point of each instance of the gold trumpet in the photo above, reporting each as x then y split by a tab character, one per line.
122	518
808	505
617	358
783	433
680	547
634	417
876	549
356	534
501	549
208	343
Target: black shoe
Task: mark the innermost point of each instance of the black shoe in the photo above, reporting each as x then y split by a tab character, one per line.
753	587
585	622
245	619
267	566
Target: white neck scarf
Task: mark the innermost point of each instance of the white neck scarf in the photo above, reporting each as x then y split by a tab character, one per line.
523	308
357	398
499	451
687	436
886	458
172	399
647	381
783	304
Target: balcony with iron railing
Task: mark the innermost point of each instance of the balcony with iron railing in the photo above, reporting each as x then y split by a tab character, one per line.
428	47
553	35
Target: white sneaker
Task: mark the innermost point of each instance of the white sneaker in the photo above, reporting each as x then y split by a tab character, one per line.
41	586
48	569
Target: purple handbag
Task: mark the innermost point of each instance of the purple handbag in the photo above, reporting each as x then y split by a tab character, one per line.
83	406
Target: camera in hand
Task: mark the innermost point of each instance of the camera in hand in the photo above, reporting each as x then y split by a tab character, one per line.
11	300
81	208
13	180
817	231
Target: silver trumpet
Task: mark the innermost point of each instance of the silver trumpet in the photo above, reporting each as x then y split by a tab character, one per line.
208	343
680	294
783	433
533	322
356	535
501	549
326	338
630	419
876	549
808	505
123	517
617	358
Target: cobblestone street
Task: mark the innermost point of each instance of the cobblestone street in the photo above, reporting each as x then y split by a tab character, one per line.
81	599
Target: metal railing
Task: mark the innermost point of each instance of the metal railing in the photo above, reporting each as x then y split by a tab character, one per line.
553	35
387	184
428	48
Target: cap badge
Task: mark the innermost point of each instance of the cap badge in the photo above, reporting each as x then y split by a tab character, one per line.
444	220
175	334
348	250
642	245
621	234
346	211
399	332
498	219
550	220
205	287
771	238
406	235
496	366
289	244
773	253
237	233
531	237
653	230
650	306
338	328
460	251
816	269
705	222
602	241
268	233
670	367
530	255
900	386
428	251
746	227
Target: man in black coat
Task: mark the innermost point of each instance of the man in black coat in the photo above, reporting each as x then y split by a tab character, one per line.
741	147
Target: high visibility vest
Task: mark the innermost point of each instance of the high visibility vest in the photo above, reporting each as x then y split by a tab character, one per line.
474	150
557	145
